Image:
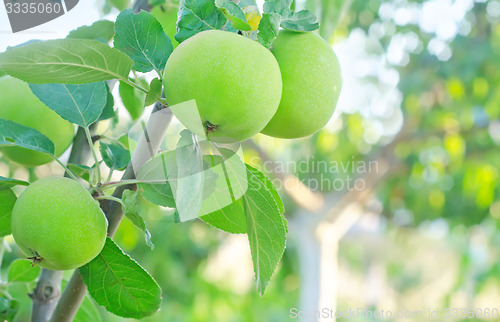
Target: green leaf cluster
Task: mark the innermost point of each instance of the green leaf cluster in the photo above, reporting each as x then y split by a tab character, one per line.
278	13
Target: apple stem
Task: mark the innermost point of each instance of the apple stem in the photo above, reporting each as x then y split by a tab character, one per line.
94	154
68	171
209	128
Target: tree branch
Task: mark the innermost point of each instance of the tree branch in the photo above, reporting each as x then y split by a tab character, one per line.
153	134
46	294
141	5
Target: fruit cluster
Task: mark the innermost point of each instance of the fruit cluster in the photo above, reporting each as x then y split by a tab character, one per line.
241	88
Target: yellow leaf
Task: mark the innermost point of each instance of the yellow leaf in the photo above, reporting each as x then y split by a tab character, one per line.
253	16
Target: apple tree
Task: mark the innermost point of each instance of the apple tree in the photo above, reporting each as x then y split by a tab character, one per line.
223	82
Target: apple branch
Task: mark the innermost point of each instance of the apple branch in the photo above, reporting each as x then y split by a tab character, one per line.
141	5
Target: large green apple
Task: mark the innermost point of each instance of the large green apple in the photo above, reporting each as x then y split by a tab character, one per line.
20	105
7	200
311	85
235	81
57	223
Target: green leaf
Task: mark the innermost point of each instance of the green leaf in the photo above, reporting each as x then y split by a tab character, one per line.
4	304
132	213
228	178
155	174
266	229
79	170
142	38
132	99
8	309
7	183
256	174
22	270
65	61
101	30
301	21
115	155
120	284
280	7
234	14
154	93
8	199
108	111
268	29
230	219
196	16
14	134
80	104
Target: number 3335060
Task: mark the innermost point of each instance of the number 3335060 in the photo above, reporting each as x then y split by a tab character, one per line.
33	7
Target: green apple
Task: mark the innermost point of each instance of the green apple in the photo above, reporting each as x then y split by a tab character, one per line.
20	105
235	81
311	84
58	224
7	201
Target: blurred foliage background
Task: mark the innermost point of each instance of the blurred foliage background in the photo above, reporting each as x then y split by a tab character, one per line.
416	133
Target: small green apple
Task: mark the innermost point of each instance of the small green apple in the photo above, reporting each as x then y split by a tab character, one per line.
7	200
235	81
311	85
20	105
58	224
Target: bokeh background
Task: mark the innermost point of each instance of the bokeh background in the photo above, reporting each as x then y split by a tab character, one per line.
393	206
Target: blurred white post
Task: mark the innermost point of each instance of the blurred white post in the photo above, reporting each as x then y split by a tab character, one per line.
318	244
304	228
317	248
329	246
